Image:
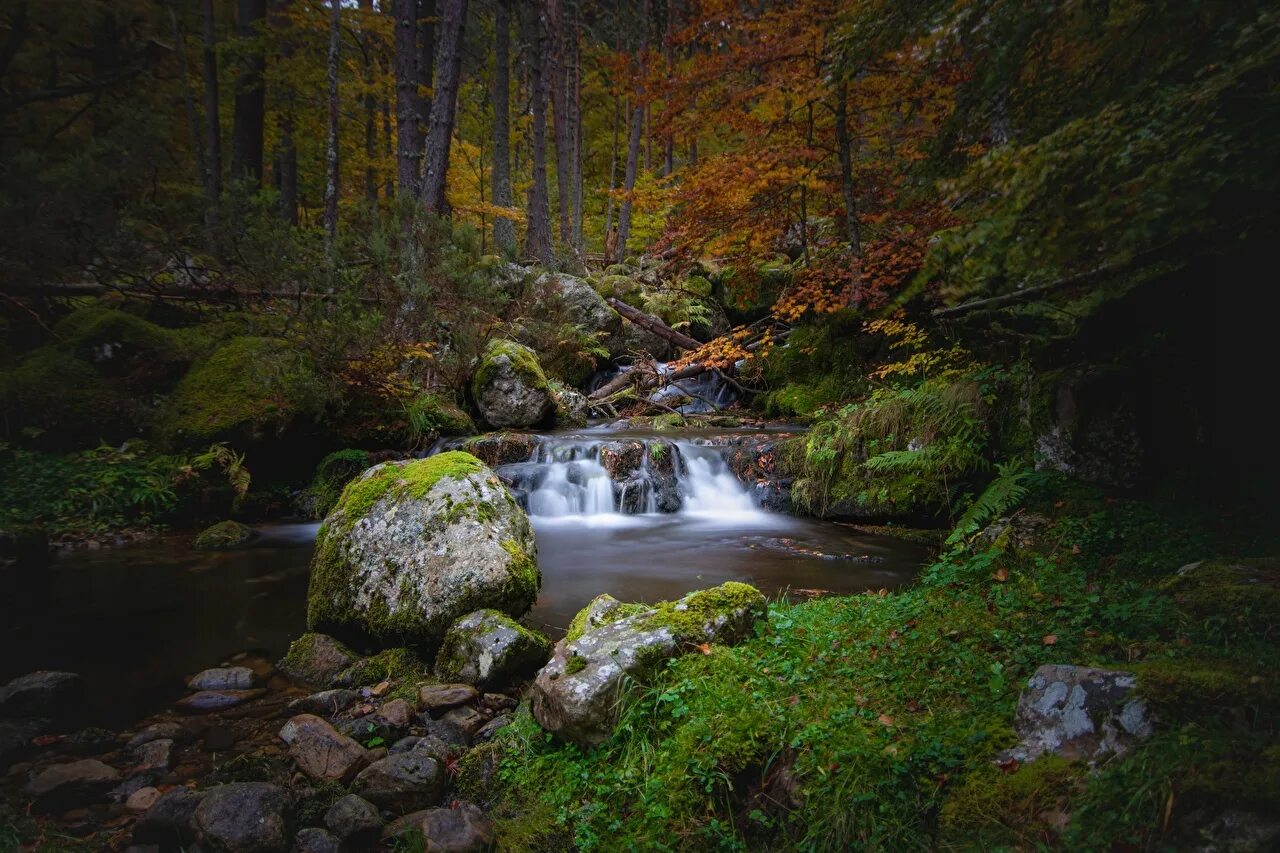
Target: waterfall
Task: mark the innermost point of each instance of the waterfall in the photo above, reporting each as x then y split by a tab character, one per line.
711	487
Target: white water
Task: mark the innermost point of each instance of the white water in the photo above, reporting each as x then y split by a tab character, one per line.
712	490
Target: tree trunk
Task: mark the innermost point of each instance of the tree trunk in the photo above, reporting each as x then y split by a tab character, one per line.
653	324
575	121
287	156
425	68
504	230
331	148
250	102
408	130
669	154
846	183
370	105
537	238
443	106
212	132
188	99
560	110
633	145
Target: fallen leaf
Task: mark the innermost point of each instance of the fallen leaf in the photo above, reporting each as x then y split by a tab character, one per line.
1050	639
381	688
705	648
1009	765
885	720
1002	575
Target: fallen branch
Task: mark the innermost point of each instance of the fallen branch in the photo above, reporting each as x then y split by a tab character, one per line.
653	324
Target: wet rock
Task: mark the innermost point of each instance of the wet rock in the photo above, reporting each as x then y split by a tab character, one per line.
326	703
73	784
130	786
224	535
509	387
224	678
142	799
354	820
571	408
411	547
490	729
576	695
16	736
168	822
438	697
638	339
620	458
316	659
216	700
389	722
154	756
502	448
243	817
401	782
1078	712
315	840
498	702
41	694
1239	832
587	308
460	829
88	741
159	731
446	730
490	650
466	718
320	751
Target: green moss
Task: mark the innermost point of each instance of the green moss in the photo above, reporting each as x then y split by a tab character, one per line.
526	580
687	617
620	610
53	390
1196	686
522	359
575	664
399	665
224	534
669	421
331	477
992	807
432	413
97	325
1240	598
478	779
247	385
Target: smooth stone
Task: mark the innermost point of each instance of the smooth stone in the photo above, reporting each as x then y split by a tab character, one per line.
466	718
46	693
142	799
158	731
320	751
216	700
403	825
490	729
402	782
224	678
436	697
243	817
72	784
315	840
354	820
168	822
463	828
326	703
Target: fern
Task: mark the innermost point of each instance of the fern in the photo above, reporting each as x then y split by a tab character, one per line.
1002	494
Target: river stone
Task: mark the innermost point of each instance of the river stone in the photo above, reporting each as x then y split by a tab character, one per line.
571	407
619	458
320	751
489	730
1078	712
463	828
315	840
437	697
502	448
216	700
159	731
325	703
490	650
243	817
466	718
72	784
401	782
510	388
577	696
224	678
142	799
40	694
354	820
168	822
316	658
412	546
224	535
155	756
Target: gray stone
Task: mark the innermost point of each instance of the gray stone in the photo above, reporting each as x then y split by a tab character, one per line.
315	840
154	756
577	696
354	820
446	731
420	557
1236	831
206	701
572	408
586	308
509	387
320	751
72	784
438	697
490	729
326	703
40	694
1078	712
466	718
159	731
224	678
244	817
168	822
490	650
16	736
462	828
402	782
316	659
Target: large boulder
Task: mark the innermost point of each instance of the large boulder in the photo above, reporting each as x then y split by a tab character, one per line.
510	388
44	693
244	817
490	650
413	546
1078	712
577	696
586	308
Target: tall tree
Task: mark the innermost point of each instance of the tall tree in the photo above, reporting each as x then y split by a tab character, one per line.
250	97
188	100
370	102
537	237
408	127
212	128
444	105
331	146
287	154
425	68
633	145
557	68
504	230
845	147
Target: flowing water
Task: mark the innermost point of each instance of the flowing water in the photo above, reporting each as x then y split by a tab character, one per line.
136	620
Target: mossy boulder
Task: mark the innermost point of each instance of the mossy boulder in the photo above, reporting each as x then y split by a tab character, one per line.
490	650
502	448
510	388
571	406
577	695
331	476
430	412
250	387
586	308
101	334
317	659
224	535
412	546
63	397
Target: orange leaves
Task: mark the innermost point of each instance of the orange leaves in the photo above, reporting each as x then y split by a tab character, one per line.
1050	639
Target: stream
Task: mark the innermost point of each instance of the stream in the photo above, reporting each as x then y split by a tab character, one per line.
136	620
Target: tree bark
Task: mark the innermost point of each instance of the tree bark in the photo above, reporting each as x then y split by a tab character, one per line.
247	126
504	230
331	148
212	131
560	112
633	145
443	106
425	68
408	129
188	99
575	122
370	105
287	157
537	238
653	324
846	168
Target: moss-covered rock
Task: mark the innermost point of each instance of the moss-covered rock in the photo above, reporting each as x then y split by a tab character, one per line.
571	406
317	659
248	387
490	650
224	535
100	333
509	386
331	476
53	391
412	546
502	448
430	412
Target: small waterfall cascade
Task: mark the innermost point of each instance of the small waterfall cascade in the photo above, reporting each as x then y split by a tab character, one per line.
598	478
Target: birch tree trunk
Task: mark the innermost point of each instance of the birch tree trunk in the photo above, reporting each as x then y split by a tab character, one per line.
504	230
443	106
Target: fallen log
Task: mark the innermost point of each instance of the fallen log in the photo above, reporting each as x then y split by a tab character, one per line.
646	380
653	324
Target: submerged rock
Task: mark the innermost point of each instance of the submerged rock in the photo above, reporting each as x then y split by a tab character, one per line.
216	700
16	735
413	546
510	388
223	535
1078	712
244	817
316	659
577	695
320	751
40	694
490	650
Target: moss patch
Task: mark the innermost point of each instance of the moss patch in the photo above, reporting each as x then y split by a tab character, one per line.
331	477
224	534
433	413
524	362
